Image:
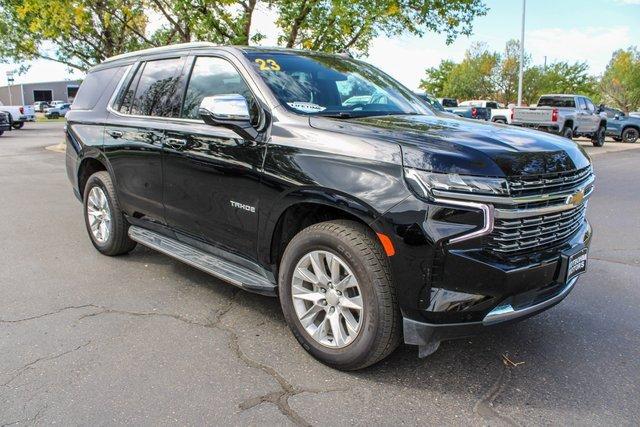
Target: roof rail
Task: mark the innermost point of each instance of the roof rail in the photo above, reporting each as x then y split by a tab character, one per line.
160	50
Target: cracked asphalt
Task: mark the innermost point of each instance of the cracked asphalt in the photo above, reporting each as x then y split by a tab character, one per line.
142	339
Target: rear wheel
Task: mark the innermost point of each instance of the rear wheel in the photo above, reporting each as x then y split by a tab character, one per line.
106	225
598	138
18	125
630	135
501	121
567	132
337	295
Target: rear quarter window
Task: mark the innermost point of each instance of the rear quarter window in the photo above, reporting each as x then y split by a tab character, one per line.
93	87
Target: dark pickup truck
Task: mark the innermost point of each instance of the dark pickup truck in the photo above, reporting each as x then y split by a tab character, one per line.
468	112
5	122
320	180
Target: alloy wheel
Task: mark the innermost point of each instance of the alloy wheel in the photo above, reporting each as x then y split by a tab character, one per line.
99	215
327	299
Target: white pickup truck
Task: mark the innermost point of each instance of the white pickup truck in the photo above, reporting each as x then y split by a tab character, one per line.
19	114
566	115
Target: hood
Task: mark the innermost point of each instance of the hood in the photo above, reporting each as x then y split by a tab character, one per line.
455	145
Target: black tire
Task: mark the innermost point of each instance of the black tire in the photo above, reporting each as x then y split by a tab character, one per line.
567	132
630	135
18	125
598	138
1	132
501	121
380	330
616	139
118	241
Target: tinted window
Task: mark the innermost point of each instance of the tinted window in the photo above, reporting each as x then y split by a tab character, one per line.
321	84
94	86
581	104
557	101
492	105
449	103
157	88
214	76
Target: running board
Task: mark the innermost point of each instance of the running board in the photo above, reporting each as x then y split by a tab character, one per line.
222	269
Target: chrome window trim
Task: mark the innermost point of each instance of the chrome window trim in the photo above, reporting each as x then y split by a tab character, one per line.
125	77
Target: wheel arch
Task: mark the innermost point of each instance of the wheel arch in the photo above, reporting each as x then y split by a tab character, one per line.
303	208
87	167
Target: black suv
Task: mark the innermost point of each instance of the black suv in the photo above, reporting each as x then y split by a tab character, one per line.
321	180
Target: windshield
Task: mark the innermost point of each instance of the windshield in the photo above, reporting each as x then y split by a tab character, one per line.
328	85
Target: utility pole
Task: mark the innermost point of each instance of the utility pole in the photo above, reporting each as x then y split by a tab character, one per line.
521	75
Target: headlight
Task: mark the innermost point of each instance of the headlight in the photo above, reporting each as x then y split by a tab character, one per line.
425	182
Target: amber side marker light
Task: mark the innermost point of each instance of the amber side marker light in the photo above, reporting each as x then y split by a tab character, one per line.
386	244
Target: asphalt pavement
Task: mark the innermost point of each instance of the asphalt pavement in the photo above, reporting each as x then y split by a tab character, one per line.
142	339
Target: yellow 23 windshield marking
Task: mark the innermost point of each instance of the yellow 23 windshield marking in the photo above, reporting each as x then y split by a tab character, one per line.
267	64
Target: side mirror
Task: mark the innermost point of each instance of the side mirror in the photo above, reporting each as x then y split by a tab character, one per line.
617	116
230	111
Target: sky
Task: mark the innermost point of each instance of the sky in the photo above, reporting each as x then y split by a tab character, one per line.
561	30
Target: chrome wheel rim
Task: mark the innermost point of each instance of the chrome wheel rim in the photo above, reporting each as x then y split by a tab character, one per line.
327	299
99	215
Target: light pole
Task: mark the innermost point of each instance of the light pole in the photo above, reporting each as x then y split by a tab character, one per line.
521	74
9	82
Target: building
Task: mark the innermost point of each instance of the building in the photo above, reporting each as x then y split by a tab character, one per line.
28	93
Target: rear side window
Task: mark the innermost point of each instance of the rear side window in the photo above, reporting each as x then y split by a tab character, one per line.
214	76
157	87
581	104
557	101
449	103
492	105
94	86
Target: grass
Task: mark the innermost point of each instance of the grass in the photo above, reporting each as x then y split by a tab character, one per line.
41	118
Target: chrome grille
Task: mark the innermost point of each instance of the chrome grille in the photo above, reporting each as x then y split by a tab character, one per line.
542	184
535	232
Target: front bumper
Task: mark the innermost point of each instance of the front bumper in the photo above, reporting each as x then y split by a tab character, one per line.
429	335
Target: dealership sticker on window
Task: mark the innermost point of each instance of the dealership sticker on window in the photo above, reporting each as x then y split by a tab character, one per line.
267	64
306	107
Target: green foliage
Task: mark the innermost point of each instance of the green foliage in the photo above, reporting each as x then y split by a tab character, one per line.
620	84
78	33
81	33
489	75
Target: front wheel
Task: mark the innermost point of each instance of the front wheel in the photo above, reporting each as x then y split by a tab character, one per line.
630	135
598	138
106	225
17	125
337	295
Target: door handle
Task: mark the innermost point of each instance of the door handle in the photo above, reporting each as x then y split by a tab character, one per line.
175	143
115	134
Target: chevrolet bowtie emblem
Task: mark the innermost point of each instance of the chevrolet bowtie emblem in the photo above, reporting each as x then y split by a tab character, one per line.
575	198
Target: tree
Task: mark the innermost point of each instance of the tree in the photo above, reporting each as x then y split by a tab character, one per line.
81	33
437	77
341	25
78	33
507	73
620	84
472	78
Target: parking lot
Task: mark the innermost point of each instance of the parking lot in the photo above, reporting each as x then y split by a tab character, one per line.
143	339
